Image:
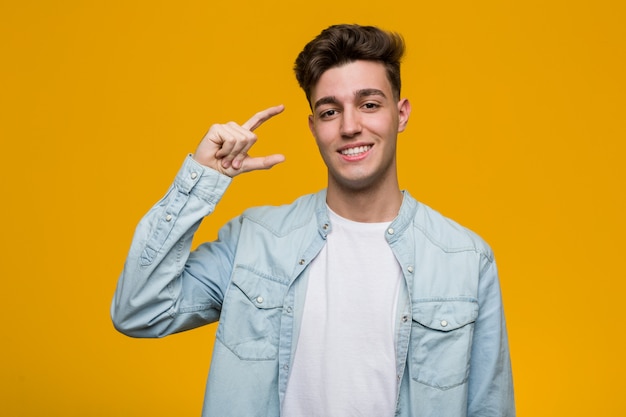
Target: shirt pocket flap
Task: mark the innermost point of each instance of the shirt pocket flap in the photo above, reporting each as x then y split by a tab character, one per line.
445	315
262	291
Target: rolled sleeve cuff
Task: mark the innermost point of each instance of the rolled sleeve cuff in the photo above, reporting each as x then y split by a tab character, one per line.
202	181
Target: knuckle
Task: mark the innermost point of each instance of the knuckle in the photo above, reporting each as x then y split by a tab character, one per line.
228	137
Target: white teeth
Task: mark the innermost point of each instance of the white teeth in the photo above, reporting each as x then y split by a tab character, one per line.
355	151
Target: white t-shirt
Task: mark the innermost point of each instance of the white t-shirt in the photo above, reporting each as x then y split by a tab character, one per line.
345	359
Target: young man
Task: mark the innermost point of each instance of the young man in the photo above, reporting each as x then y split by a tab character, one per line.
355	301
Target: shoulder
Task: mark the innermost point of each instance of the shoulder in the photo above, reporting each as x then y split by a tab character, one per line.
282	219
446	233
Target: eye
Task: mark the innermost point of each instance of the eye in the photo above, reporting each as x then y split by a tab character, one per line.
328	113
371	106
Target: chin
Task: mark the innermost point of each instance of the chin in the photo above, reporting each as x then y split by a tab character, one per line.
356	184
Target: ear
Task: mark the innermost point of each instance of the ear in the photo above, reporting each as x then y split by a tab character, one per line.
311	125
404	111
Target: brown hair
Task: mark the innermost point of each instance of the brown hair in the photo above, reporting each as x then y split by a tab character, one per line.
341	44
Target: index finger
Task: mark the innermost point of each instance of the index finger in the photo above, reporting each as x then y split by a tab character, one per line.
262	117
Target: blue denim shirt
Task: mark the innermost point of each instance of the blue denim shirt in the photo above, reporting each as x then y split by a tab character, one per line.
451	341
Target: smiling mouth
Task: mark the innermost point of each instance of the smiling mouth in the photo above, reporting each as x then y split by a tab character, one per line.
356	151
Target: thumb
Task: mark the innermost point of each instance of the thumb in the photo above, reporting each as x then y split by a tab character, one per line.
262	162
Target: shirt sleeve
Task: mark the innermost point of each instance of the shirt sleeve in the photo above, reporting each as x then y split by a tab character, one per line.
490	380
162	288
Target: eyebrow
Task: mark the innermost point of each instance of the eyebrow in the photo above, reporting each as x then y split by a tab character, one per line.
366	92
325	100
370	92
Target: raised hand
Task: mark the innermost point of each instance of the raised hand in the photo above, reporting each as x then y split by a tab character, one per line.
225	146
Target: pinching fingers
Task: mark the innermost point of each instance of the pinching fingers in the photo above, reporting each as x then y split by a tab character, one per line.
235	142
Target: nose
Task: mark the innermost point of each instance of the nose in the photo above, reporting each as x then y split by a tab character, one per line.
350	123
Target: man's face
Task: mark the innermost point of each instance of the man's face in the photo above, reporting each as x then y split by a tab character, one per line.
355	122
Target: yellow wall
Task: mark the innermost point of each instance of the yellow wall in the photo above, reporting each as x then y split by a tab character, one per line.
517	131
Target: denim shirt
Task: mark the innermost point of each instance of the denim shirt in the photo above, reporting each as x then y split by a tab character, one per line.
451	341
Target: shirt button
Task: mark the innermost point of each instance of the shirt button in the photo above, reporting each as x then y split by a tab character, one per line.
325	227
390	231
444	323
194	175
410	269
289	310
286	367
302	261
168	218
259	299
405	318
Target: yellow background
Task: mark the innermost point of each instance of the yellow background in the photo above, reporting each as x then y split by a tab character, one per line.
517	132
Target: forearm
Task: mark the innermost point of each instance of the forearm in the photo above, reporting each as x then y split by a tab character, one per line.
150	299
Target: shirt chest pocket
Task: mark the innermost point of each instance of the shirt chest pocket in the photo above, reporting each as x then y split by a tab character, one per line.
250	319
441	341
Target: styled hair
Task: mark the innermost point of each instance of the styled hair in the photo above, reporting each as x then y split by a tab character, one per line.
338	45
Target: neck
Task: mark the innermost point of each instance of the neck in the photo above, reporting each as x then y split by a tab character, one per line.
366	206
